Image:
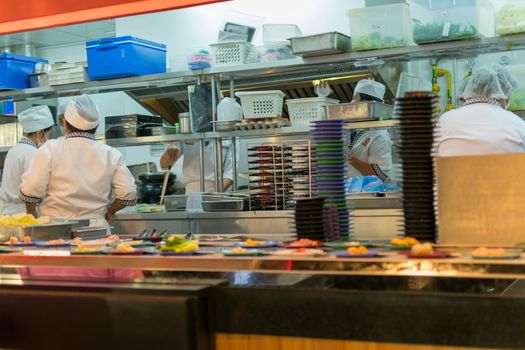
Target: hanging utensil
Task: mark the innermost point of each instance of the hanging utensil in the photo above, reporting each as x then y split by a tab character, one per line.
164	185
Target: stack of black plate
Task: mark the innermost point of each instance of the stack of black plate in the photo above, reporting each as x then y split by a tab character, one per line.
418	112
330	159
308	217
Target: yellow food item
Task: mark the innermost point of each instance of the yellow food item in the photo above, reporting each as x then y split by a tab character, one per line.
422	249
56	241
489	252
83	249
404	241
124	248
252	242
27	239
239	250
13	240
360	250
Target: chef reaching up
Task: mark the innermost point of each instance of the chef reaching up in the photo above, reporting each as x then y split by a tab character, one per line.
370	151
77	177
36	124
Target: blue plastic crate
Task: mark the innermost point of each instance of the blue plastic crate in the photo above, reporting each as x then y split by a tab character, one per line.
15	70
125	56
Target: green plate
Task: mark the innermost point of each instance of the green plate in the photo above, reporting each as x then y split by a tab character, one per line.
398	247
249	252
95	252
344	245
510	255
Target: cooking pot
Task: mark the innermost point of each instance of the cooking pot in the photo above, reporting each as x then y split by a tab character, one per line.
150	187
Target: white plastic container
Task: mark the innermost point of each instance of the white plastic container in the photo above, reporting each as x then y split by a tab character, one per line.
233	53
379	27
447	20
510	17
304	110
274	52
275	33
261	104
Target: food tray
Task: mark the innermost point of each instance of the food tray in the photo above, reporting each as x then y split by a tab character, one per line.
54	230
233	53
304	110
321	44
175	202
360	111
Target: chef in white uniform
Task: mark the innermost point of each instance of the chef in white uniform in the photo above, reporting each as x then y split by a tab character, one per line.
482	125
78	177
191	164
36	124
370	151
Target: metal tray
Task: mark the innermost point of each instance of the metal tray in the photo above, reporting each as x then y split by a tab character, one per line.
223	205
321	44
54	230
375	200
175	202
360	111
91	232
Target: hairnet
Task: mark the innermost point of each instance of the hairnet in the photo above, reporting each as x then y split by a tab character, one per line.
370	87
82	113
36	118
61	109
492	81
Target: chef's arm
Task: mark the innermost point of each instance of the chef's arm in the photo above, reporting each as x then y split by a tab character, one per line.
31	209
170	156
115	207
363	167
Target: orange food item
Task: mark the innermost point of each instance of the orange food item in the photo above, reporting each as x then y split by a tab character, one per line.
27	239
359	250
404	241
13	240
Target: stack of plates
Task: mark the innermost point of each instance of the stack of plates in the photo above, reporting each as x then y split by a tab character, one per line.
418	112
268	173
308	217
330	158
299	178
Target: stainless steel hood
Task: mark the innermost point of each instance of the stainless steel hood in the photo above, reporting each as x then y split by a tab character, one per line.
169	101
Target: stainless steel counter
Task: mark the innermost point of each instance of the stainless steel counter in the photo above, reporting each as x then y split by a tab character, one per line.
213	223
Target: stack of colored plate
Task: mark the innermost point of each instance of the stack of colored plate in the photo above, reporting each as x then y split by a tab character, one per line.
418	113
308	217
330	158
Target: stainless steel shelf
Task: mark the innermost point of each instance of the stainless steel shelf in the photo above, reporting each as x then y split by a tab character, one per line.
464	48
375	124
147	140
4	149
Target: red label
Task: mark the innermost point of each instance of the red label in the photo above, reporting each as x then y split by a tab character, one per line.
366	142
18	16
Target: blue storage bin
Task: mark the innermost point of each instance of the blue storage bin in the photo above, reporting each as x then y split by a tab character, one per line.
15	70
125	56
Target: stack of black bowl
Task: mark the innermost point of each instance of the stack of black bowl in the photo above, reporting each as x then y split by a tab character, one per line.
308	217
418	112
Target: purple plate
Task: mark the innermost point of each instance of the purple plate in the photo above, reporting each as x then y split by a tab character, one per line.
45	245
19	245
345	254
179	254
268	244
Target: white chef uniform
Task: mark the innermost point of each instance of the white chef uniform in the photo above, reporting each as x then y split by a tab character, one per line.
480	128
76	177
19	157
191	165
373	147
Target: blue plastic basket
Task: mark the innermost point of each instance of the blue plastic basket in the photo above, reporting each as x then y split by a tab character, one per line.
125	56
15	70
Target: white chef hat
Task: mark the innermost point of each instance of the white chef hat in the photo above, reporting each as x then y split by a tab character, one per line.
492	81
61	109
36	118
371	88
82	113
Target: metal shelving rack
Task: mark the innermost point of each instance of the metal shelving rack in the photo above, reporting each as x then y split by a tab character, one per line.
257	71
